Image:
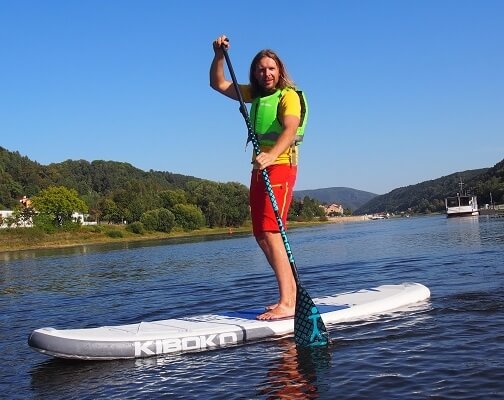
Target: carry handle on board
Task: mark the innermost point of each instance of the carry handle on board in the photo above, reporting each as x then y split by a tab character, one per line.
309	329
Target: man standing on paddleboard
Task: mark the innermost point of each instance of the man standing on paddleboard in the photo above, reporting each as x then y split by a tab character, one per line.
278	115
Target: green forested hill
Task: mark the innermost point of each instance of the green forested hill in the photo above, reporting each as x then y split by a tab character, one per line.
429	196
117	191
20	176
106	185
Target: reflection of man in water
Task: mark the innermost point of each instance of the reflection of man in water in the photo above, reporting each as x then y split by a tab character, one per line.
315	332
297	373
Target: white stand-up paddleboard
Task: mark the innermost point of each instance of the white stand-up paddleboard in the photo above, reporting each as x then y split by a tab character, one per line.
209	331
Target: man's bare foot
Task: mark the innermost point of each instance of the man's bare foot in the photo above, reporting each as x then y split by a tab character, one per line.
271	307
277	313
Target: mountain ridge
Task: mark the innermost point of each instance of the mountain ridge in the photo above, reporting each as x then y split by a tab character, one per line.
21	176
345	196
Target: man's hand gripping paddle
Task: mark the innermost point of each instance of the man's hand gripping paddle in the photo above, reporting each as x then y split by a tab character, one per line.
309	329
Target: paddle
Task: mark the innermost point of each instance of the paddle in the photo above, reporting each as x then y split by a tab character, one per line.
309	329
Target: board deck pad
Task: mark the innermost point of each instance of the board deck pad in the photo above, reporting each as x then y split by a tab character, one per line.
220	329
252	313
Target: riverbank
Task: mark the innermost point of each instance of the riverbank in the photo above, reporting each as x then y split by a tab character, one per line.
29	239
19	239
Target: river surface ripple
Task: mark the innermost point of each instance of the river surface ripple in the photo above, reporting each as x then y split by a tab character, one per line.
450	347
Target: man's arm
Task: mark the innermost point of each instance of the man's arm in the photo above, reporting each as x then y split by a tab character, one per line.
218	80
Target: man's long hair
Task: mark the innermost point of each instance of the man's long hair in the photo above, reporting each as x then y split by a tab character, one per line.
283	77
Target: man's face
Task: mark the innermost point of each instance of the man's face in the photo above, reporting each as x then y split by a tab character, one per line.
267	74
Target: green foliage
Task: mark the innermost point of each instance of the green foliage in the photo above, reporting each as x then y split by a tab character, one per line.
134	200
25	236
166	220
95	228
136	227
235	207
134	191
59	203
160	219
149	219
188	217
222	204
92	200
9	190
490	185
18	176
114	233
45	223
307	209
109	211
170	198
116	191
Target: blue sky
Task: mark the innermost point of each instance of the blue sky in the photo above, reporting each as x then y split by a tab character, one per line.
399	91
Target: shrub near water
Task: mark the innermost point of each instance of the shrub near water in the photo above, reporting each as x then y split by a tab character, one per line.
166	220
115	234
161	220
188	217
95	228
45	223
149	220
136	227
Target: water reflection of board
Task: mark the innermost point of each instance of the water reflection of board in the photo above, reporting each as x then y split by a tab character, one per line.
205	332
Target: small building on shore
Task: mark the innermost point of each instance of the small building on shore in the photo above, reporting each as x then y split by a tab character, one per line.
333	210
82	219
8	220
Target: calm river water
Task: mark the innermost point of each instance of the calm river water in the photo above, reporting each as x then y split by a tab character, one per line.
451	347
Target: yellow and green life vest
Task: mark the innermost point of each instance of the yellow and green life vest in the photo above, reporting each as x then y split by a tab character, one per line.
265	121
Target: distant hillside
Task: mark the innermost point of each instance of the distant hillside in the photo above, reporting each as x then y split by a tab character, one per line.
117	192
347	197
428	196
136	190
20	176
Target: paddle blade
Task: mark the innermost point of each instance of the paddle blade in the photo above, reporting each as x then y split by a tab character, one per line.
309	329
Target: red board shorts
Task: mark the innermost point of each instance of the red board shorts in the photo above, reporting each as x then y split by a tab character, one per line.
282	178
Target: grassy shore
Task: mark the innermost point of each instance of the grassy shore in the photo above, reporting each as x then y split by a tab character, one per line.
31	238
